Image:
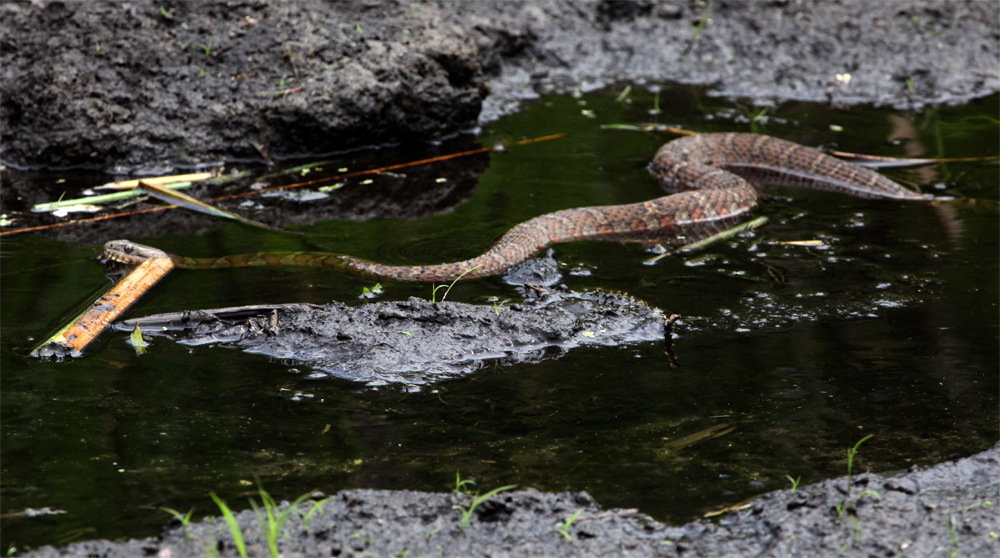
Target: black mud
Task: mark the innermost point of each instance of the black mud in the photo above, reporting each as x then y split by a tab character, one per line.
150	86
416	341
951	509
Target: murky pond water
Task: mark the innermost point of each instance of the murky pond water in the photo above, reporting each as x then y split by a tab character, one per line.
789	354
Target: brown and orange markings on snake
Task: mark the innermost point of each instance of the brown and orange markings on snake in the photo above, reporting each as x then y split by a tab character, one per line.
714	177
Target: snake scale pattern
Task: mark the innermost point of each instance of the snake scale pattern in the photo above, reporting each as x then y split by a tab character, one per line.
713	175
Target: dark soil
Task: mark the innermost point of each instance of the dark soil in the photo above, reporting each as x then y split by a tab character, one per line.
150	86
948	510
416	341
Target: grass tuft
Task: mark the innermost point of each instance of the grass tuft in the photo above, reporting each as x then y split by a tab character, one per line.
272	520
564	528
448	290
467	512
850	459
318	505
795	482
705	17
184	519
459	483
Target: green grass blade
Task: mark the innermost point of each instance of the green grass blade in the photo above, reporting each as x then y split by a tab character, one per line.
184	519
234	527
318	505
467	513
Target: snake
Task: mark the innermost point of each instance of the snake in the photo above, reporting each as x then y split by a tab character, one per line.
715	180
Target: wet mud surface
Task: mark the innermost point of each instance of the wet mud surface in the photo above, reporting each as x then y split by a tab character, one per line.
151	86
948	509
416	341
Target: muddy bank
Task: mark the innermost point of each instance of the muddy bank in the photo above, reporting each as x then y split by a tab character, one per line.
949	509
149	86
416	341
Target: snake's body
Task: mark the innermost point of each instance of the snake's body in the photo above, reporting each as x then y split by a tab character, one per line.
714	177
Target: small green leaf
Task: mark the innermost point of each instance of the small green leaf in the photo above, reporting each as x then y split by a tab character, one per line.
588	334
372	292
138	343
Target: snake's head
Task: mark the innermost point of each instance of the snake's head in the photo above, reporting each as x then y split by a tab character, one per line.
128	252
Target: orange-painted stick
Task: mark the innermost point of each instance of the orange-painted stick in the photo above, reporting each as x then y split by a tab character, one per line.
71	340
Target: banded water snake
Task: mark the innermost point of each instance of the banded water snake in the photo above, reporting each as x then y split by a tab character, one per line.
713	176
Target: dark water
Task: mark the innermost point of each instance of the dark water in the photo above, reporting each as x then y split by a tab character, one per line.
790	354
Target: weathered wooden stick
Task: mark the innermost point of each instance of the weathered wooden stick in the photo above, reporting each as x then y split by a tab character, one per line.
161	180
718	237
103	198
71	340
181	199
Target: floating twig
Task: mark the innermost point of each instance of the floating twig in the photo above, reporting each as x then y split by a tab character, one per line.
650	127
181	199
719	237
103	198
161	180
260	149
876	161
